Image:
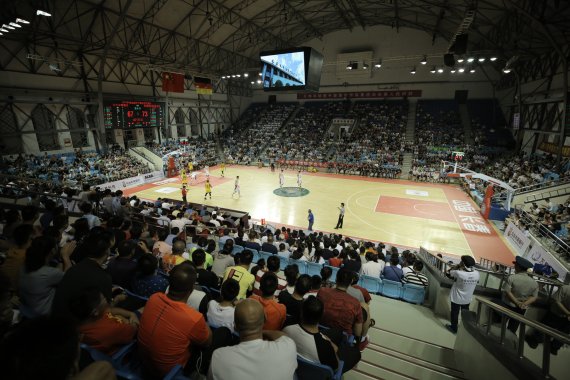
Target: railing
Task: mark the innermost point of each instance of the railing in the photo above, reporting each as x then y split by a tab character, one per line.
550	240
548	194
143	156
505	313
538	186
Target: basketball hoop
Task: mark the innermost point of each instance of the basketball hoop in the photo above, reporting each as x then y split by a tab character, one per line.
457	156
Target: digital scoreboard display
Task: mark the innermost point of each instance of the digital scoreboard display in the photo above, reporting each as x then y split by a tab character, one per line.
133	114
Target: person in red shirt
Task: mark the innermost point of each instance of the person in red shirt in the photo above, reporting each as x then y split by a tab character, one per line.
101	327
335	261
275	313
184	193
170	330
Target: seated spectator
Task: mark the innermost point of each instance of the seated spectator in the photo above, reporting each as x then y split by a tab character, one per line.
275	313
314	345
276	355
326	273
104	328
365	294
170	331
147	281
169	261
205	277
273	264
258	267
353	262
225	238
221	314
372	267
393	272
316	283
335	261
123	267
293	301
240	273
38	280
47	347
223	259
87	210
253	242
415	277
268	246
16	255
161	248
283	251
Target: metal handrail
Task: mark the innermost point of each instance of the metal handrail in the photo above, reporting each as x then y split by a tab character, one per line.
547	332
538	186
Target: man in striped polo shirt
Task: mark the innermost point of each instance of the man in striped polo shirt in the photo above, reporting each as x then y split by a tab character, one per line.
415	277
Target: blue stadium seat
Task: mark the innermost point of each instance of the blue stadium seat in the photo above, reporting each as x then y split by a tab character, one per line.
334	272
301	264
413	293
117	360
237	248
372	284
283	262
314	269
256	255
391	289
308	370
265	255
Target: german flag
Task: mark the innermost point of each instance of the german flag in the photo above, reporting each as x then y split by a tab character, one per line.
203	85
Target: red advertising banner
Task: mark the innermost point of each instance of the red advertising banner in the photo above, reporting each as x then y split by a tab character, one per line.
486	206
362	94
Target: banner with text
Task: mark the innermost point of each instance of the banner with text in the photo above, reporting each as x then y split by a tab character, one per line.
362	94
517	239
538	255
127	183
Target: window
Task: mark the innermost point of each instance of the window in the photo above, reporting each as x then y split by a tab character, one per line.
10	135
77	127
46	131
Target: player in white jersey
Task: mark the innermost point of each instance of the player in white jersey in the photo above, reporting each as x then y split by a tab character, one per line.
281	178
299	179
207	171
236	187
194	176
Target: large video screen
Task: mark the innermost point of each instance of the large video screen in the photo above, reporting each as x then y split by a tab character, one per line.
283	70
133	114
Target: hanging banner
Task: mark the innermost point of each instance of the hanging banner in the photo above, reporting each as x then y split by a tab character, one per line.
362	94
538	255
517	239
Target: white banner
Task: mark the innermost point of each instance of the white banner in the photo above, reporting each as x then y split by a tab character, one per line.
124	183
517	239
538	255
152	176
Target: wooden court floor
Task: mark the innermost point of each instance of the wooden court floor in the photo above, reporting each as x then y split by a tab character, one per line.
438	217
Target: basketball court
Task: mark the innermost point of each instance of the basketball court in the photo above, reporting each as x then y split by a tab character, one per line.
439	217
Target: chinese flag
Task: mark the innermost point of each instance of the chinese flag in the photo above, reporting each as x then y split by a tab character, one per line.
172	82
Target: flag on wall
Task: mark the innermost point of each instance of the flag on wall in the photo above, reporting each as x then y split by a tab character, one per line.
172	82
203	85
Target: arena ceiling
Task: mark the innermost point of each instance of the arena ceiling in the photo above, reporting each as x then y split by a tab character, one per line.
214	36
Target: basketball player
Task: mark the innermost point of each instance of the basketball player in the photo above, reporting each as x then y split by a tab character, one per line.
190	167
208	188
207	171
194	176
236	187
299	179
183	175
222	168
184	193
281	179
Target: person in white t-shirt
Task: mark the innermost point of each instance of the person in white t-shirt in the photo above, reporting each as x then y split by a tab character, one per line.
466	279
281	178
372	267
221	314
270	353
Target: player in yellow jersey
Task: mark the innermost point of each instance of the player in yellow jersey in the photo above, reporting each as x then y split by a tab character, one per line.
183	175
222	168
208	187
190	167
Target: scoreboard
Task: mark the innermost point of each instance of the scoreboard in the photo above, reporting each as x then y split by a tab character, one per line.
133	114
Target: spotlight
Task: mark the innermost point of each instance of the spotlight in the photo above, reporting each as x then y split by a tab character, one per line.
349	67
15	25
252	82
233	76
378	64
440	70
470	59
4	26
432	70
365	66
259	81
1	34
223	77
259	74
460	59
238	75
452	71
424	60
4	30
493	59
472	71
42	13
461	70
245	75
22	21
413	71
481	59
506	70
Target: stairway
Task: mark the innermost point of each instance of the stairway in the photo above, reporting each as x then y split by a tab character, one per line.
407	164
466	123
408	342
411	125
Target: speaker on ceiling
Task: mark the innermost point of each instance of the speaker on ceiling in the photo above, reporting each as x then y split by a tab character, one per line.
461	44
449	60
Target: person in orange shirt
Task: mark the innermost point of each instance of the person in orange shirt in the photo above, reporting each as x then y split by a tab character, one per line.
170	331
103	328
169	261
275	313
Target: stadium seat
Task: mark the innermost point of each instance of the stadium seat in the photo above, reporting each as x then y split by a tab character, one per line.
117	360
131	294
391	289
308	370
256	255
176	373
334	272
283	262
265	255
314	269
413	293
301	264
372	284
237	248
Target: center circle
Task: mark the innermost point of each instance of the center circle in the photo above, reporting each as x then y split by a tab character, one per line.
291	191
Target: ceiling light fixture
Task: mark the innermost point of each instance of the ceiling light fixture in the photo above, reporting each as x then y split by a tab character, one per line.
4	26
424	60
252	82
472	71
440	70
461	70
452	71
238	75
259	81
245	75
432	70
470	59
460	59
223	77
4	30
15	25
42	13
481	59
365	66
493	59
259	74
22	21
413	71
506	70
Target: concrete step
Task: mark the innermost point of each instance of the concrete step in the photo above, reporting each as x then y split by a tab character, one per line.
369	371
